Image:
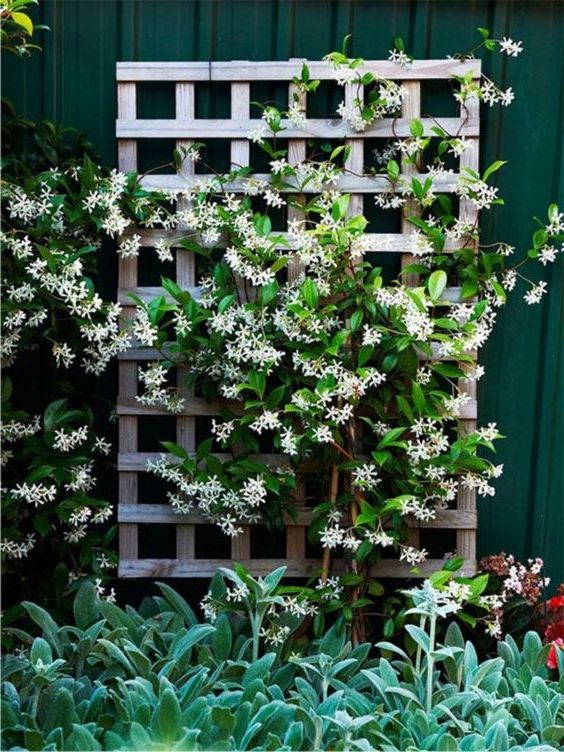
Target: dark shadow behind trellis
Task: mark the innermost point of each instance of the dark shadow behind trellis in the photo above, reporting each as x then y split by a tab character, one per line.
183	130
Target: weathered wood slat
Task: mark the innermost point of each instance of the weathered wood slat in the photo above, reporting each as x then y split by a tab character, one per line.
294	567
286	70
377	242
185	95
194	406
313	128
164	514
137	461
466	500
127	276
349	183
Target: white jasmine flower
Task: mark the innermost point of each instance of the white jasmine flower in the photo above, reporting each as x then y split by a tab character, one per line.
129	246
399	57
535	294
258	134
66	442
371	335
323	435
163	251
547	254
511	48
412	555
266	422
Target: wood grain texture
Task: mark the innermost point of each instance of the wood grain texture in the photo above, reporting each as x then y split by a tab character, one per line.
165	514
260	567
286	70
127	373
312	128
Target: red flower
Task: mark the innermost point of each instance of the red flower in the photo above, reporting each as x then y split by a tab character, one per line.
552	659
556	602
554	631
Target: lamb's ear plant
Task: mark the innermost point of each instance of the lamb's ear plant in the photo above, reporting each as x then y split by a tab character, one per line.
155	678
259	599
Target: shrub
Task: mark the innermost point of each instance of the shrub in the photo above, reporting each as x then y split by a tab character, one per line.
157	679
59	208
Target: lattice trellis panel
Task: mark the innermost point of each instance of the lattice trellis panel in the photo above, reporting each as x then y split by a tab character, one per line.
186	128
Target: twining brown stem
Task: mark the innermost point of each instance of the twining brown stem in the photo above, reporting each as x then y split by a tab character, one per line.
333	489
342	450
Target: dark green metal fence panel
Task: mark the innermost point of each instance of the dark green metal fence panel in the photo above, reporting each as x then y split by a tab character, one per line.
73	81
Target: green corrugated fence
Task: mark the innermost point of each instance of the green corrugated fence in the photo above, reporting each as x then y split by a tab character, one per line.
73	81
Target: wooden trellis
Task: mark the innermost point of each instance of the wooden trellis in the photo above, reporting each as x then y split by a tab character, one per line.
186	128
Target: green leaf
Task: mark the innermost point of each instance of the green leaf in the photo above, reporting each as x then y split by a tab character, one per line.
340	206
118	618
453	564
269	292
485	33
416	128
419	636
24	21
225	302
83	739
178	604
175	449
478	585
41	651
356	320
60	712
259	669
469	288
85	606
437	283
167	716
390	437
552	212
204	448
48	625
448	370
393	170
191	245
399	44
494	167
403	407
53	412
539	238
222	638
310	292
262	224
192	637
499	290
338	339
376	588
364	354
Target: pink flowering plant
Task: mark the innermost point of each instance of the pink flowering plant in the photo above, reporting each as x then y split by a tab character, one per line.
311	352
